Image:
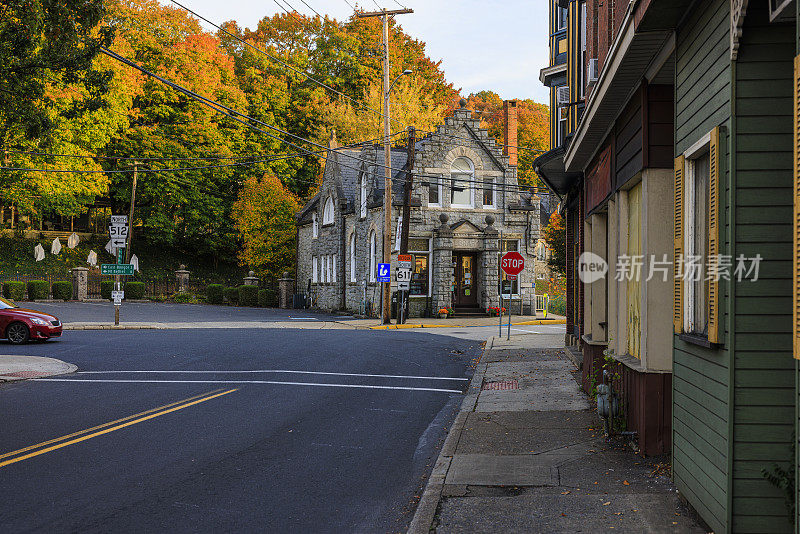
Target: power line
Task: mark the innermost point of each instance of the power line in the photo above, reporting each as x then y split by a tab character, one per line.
233	114
351	5
293	69
311	8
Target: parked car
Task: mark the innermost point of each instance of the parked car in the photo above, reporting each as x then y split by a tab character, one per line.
19	325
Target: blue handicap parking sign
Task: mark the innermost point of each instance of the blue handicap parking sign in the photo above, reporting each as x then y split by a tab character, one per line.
384	272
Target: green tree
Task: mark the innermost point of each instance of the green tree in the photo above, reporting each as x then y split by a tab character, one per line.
556	238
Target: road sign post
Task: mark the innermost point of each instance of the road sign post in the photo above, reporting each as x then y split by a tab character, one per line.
512	263
403	277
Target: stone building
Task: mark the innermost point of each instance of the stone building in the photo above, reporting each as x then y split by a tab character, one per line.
466	208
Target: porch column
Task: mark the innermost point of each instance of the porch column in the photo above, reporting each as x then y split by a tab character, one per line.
489	266
442	265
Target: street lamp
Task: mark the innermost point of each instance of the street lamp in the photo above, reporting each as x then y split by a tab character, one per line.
404	73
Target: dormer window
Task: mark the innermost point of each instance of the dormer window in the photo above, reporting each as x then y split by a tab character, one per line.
314	225
461	178
327	213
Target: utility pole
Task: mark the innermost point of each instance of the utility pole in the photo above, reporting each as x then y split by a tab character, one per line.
387	194
407	188
129	252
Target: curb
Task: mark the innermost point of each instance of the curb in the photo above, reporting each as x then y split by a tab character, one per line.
79	326
40	368
406	326
429	502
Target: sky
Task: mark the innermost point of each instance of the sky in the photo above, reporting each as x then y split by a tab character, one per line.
499	45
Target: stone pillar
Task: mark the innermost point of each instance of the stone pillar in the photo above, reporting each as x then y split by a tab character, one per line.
490	275
251	279
442	291
285	290
80	283
182	276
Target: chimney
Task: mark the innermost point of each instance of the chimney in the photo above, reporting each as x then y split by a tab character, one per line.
333	144
510	130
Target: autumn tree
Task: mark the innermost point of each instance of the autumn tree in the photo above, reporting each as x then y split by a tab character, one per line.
556	238
264	215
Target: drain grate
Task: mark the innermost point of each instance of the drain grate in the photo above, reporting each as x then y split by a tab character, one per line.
27	374
501	385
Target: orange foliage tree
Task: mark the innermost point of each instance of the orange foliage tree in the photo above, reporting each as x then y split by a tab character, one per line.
556	237
264	217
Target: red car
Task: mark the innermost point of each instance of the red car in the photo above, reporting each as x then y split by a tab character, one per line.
18	325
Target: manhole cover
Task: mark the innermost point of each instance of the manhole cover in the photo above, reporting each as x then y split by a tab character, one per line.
501	385
27	374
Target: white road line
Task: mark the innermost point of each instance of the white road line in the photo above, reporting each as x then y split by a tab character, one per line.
270	371
275	382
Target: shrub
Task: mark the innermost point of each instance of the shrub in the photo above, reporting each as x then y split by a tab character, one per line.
182	297
557	305
14	290
266	298
38	290
248	295
62	290
106	287
215	293
232	295
134	290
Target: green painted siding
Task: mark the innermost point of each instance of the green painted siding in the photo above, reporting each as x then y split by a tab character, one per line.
701	411
764	378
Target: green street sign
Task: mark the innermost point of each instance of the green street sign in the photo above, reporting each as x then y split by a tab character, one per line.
113	269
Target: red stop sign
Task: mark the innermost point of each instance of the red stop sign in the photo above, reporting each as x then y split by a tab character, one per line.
512	263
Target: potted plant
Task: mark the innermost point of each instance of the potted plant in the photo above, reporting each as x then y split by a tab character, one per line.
443	313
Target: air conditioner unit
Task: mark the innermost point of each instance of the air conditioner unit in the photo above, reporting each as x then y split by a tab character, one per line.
592	73
778	11
562	95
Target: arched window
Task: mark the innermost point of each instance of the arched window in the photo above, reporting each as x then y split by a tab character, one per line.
373	265
315	225
327	213
363	212
353	257
461	178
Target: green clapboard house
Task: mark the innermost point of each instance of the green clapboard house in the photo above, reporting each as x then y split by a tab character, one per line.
734	377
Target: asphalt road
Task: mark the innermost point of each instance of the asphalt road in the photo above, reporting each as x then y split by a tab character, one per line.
213	449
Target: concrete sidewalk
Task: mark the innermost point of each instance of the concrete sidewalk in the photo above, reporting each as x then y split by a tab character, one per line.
526	453
24	367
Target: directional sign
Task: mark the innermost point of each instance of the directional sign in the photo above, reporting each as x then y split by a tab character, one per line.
384	272
119	220
403	277
113	269
512	263
404	261
117	296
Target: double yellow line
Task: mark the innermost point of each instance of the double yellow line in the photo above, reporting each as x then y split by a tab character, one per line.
82	435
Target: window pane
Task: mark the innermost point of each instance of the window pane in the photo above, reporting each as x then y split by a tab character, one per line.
419	278
488	191
418	245
433	191
701	183
460	189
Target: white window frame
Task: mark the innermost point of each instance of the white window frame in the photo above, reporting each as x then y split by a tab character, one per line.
559	11
314	225
333	268
583	67
561	123
470	181
373	264
494	191
693	153
363	211
353	257
314	271
327	212
439	191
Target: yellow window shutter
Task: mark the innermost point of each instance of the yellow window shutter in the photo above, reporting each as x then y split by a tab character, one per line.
677	296
714	222
796	220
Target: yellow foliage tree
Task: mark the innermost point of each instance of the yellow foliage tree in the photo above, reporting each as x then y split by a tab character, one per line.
264	218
